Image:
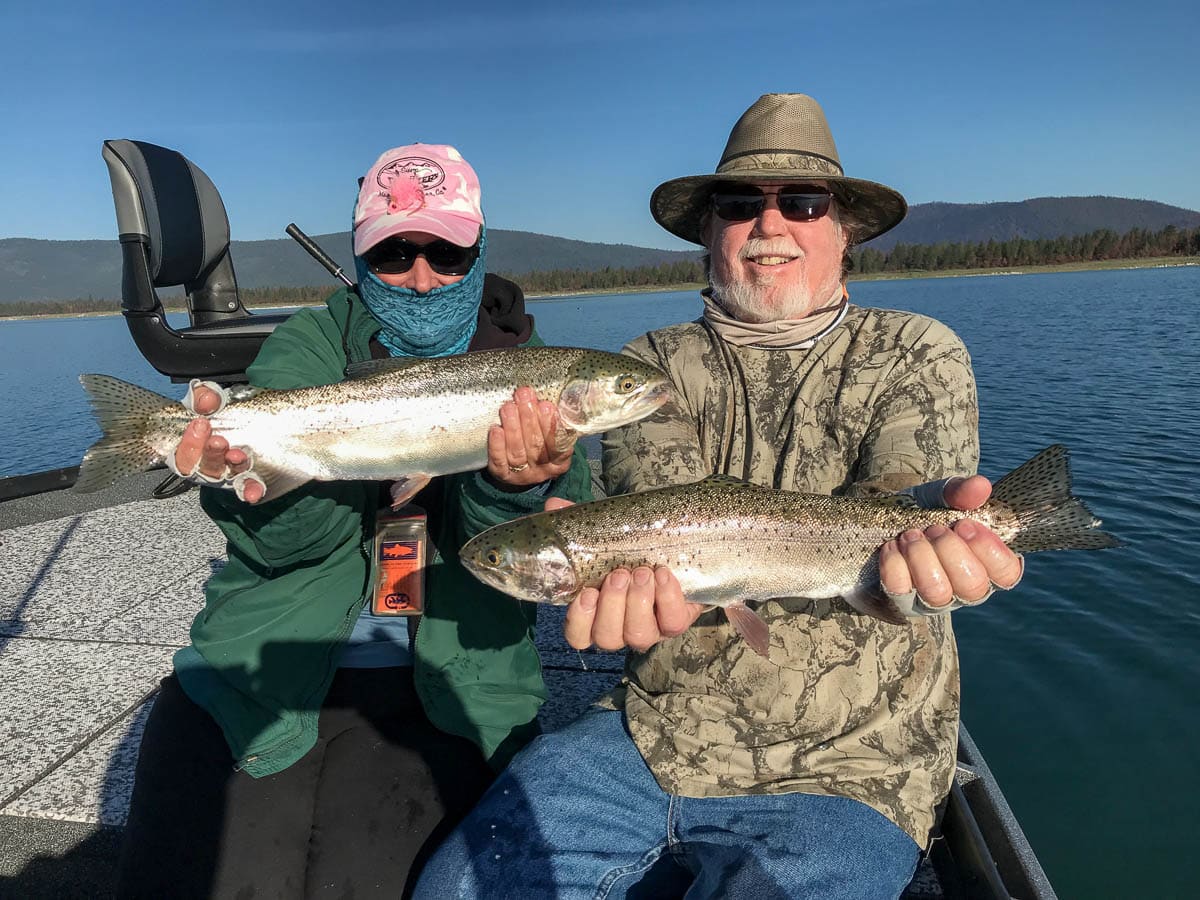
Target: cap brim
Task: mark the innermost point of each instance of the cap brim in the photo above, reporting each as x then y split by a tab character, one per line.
456	229
679	205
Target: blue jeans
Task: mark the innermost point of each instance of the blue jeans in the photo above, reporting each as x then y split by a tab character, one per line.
578	815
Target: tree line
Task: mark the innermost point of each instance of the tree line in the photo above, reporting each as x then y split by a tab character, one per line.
1096	246
564	281
172	302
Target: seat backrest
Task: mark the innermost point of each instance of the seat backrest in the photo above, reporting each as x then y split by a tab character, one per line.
174	231
167	202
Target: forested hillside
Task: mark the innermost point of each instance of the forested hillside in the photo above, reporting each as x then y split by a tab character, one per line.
936	236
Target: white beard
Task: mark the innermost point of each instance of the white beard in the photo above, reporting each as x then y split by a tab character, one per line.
751	301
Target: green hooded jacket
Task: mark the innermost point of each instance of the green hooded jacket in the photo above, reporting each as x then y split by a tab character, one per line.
266	645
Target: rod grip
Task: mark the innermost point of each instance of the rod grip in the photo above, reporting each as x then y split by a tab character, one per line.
310	247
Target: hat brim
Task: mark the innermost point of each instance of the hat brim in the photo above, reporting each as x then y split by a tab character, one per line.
679	205
458	230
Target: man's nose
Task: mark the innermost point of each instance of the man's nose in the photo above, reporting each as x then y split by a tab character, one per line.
770	221
423	277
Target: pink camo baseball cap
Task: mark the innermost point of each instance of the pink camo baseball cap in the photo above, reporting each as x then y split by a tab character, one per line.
418	187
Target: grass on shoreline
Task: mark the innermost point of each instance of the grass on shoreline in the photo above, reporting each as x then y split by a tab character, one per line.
534	296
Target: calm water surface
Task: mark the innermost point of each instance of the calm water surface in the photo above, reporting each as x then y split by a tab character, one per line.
1081	686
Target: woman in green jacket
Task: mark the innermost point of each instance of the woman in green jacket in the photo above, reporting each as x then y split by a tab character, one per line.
304	744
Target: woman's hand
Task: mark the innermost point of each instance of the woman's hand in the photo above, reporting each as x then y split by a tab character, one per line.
211	451
523	449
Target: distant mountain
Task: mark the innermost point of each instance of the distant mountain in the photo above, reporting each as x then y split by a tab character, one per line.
1042	217
63	270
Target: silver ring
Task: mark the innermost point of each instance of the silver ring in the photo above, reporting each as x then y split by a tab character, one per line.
521	468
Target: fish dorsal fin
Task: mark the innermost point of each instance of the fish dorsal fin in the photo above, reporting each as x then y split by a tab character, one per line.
897	501
367	368
728	480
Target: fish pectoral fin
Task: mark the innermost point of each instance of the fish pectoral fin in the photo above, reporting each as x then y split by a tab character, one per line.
872	601
278	480
564	437
406	487
751	627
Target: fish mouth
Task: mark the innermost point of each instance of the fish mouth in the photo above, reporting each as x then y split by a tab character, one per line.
651	399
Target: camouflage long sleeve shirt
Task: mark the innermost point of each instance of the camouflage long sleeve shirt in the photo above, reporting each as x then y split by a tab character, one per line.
847	705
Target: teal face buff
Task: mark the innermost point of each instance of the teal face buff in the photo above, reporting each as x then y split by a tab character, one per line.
440	322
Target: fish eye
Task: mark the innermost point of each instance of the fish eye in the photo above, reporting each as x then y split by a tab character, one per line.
626	383
492	557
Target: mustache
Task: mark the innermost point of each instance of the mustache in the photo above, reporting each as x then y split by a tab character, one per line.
778	246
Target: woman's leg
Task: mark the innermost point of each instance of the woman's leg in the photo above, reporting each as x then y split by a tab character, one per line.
392	786
197	828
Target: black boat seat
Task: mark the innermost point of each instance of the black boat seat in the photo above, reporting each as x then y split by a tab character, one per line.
174	231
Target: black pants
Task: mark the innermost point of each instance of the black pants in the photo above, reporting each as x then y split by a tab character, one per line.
356	816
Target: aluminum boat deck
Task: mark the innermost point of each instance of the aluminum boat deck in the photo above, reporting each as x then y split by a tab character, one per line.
98	593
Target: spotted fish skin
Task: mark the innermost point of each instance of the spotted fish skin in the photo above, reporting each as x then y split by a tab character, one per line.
399	419
729	542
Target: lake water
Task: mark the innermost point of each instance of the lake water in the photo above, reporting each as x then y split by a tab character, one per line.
1081	686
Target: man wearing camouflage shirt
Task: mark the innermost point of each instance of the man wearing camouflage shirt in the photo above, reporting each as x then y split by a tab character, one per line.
814	772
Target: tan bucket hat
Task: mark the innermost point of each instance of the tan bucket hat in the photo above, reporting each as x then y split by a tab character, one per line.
781	138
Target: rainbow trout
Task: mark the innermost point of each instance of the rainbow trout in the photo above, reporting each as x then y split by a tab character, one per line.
404	419
729	542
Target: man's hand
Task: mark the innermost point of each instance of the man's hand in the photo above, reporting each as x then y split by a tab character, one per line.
635	609
521	450
211	450
940	563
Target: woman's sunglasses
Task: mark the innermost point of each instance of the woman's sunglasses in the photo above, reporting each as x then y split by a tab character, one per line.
395	256
799	203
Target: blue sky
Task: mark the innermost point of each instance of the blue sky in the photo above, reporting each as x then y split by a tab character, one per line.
573	112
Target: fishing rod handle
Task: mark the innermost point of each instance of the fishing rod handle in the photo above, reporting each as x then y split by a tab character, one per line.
317	253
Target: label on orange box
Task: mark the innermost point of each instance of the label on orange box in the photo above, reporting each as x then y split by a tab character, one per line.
400	542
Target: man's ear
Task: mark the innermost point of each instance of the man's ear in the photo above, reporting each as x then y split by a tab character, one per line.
706	225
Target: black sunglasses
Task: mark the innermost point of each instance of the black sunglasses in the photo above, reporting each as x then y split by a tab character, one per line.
395	256
798	203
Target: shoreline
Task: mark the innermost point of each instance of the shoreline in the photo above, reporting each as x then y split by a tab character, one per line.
1159	262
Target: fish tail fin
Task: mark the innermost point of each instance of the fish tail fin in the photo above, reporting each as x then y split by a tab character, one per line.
1049	516
127	416
751	627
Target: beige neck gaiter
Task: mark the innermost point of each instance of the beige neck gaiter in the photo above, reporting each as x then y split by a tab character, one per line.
787	334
